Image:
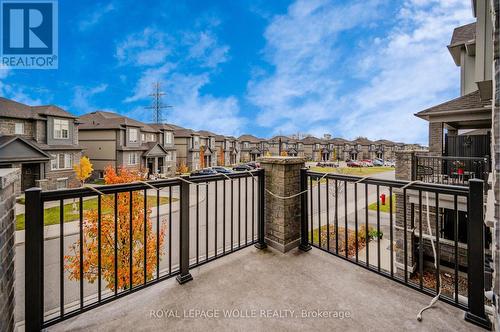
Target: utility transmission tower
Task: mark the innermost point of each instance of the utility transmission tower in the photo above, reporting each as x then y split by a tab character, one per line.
157	105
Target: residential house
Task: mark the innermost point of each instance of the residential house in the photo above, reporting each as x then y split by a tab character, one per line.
187	145
111	139
251	147
227	151
459	138
313	147
40	140
207	149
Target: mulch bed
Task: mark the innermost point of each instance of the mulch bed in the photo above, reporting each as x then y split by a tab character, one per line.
447	282
351	240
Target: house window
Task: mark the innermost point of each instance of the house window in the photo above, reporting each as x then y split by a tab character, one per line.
61	128
246	145
143	137
61	161
168	138
19	128
132	158
168	157
132	135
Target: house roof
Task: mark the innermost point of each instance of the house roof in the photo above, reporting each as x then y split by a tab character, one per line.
284	139
463	34
384	142
469	101
311	140
250	138
206	133
362	141
161	126
110	120
181	131
338	140
154	149
13	109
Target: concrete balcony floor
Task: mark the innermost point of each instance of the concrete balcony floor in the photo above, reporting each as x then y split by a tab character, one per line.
268	280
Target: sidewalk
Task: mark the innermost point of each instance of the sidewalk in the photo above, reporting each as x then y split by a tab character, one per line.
72	228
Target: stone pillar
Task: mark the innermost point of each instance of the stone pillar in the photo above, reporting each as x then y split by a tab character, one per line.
282	217
436	138
8	178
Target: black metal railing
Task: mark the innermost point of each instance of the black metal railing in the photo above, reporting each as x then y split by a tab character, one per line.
129	236
450	170
346	216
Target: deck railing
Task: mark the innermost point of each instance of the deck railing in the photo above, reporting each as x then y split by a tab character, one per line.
450	170
345	216
133	235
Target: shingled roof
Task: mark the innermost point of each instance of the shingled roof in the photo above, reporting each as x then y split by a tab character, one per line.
463	34
249	138
13	109
110	120
470	101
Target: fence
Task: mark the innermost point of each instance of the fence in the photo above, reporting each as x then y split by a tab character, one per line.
344	216
130	236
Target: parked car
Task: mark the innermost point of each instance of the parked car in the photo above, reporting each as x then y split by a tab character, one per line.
366	163
253	164
327	164
203	172
242	168
390	163
378	162
220	169
353	163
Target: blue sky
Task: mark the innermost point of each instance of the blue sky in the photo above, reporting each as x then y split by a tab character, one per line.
348	68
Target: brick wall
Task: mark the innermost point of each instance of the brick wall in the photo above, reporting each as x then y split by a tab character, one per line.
7	248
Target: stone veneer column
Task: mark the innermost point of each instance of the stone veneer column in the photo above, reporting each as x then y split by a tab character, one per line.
404	171
8	178
282	216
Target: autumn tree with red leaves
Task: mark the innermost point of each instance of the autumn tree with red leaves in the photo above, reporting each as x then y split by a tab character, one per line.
90	236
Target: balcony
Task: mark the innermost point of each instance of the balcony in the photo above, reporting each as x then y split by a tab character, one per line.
450	170
251	280
205	239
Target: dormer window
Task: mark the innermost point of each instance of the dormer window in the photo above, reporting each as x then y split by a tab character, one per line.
61	129
132	135
19	128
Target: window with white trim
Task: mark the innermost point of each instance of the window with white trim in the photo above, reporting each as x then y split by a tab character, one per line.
19	128
143	137
61	129
168	137
168	157
61	161
132	158
132	135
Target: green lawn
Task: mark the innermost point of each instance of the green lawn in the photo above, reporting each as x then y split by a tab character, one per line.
386	207
51	215
362	171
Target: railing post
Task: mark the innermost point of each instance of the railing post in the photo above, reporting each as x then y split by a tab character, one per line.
304	242
184	275
34	260
475	256
261	206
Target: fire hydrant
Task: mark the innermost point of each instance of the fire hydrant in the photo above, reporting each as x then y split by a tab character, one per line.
382	197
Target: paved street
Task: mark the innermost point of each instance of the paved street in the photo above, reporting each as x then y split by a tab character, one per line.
243	210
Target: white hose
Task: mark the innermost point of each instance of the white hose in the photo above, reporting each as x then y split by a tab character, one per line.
435	298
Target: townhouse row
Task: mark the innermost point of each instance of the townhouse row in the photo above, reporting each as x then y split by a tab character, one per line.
45	142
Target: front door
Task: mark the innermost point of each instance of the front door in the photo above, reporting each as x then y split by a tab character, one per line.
160	165
29	173
150	165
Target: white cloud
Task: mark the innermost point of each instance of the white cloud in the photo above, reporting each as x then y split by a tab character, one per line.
82	98
203	47
146	48
93	18
202	53
387	79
